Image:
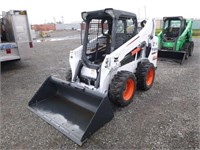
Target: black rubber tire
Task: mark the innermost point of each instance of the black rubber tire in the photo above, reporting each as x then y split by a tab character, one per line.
186	49
191	47
118	86
142	73
68	76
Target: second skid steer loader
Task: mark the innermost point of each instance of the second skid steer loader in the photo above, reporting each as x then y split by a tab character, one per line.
112	62
175	39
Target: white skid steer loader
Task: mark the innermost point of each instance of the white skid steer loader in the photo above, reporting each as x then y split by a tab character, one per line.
113	60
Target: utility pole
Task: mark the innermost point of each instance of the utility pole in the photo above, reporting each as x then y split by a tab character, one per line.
138	13
145	12
62	20
54	19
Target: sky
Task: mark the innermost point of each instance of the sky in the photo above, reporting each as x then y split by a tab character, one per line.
46	11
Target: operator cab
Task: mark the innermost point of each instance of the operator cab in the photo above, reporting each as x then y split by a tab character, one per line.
173	28
105	31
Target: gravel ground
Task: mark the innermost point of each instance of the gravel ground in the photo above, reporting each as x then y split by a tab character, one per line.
166	116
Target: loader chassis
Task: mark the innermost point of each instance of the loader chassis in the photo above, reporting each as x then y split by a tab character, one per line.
112	62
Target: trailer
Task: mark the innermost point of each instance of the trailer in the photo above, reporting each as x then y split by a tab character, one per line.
15	31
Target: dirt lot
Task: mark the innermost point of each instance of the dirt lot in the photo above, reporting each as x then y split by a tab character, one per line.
166	116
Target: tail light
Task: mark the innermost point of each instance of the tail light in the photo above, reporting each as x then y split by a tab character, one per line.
8	51
31	44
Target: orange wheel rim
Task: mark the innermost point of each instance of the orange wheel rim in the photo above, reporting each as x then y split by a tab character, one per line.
129	89
149	78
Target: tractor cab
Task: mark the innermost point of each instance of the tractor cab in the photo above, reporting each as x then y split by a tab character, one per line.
173	27
105	31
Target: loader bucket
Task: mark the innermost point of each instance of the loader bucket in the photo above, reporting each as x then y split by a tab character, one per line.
74	111
171	55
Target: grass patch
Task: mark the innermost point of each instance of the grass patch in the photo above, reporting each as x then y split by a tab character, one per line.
196	37
195	32
158	31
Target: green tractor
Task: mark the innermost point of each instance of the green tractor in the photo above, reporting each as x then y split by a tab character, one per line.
175	39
